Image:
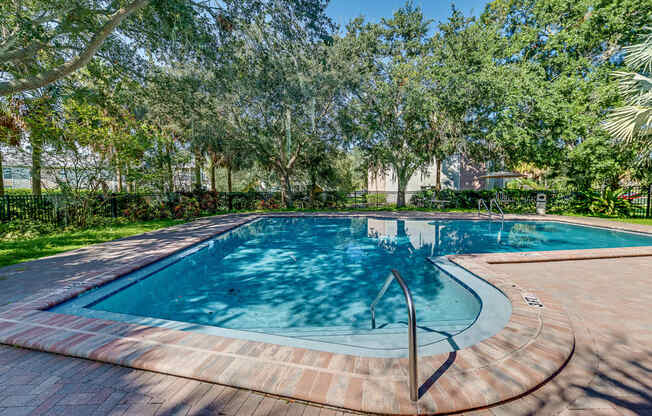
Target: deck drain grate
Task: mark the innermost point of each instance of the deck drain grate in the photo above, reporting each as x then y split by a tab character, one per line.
532	300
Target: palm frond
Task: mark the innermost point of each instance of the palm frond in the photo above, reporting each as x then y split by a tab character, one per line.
632	85
630	122
639	56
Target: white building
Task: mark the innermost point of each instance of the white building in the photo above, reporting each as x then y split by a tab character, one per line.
456	173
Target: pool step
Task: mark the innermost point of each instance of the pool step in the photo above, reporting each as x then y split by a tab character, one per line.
389	337
442	327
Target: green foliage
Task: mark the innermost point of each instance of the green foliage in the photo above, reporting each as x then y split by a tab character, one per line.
388	116
376	199
269	92
607	203
632	122
555	89
46	40
18	191
524	183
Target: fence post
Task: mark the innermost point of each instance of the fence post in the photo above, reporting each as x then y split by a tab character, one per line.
649	194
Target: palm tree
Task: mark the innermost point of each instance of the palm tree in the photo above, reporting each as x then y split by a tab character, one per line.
11	130
632	123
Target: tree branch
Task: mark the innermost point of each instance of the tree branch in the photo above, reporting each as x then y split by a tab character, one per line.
47	77
21	54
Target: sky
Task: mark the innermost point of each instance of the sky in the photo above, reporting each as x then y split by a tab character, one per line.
342	11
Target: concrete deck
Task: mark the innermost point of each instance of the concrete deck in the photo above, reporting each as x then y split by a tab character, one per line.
531	350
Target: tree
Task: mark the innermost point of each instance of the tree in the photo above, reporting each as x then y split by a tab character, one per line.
463	88
288	87
46	40
632	123
387	116
12	129
553	84
53	28
42	122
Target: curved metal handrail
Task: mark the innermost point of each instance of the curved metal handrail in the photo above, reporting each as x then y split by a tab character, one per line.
481	203
412	329
500	210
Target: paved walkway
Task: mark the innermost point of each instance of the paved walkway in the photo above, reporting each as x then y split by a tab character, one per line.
608	301
610	373
37	383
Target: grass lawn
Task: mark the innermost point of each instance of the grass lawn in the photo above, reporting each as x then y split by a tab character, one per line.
642	221
18	251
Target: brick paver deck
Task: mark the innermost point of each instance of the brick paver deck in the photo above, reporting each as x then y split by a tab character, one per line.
490	377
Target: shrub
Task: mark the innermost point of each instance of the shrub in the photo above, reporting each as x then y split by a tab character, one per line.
609	202
209	202
269	203
187	207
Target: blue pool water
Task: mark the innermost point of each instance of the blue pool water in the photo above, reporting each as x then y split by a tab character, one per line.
297	276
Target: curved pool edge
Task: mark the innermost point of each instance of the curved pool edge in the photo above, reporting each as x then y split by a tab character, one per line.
493	316
495	311
533	346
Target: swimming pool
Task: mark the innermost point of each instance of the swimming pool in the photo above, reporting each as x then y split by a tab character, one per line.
309	281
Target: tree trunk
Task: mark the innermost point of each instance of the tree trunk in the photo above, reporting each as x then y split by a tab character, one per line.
213	168
402	184
313	186
2	177
37	149
129	184
197	184
438	183
287	190
229	178
119	178
168	162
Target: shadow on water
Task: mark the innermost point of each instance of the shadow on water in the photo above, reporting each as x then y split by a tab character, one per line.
281	266
308	271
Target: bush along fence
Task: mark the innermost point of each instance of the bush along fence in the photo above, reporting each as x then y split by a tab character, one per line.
74	210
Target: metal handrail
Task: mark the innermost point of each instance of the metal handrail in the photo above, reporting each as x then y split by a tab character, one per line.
372	307
481	202
412	329
500	210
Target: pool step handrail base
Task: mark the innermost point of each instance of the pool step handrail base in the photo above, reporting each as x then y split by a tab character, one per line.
413	380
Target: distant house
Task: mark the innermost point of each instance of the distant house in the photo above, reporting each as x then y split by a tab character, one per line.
457	172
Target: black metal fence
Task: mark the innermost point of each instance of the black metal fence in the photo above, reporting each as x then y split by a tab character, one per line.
61	209
640	200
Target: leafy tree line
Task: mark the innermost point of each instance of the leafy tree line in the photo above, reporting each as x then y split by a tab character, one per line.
149	93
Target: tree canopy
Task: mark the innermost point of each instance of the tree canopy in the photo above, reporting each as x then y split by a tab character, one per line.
271	95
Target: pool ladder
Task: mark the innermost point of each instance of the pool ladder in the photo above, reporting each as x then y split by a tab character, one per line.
412	328
489	210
